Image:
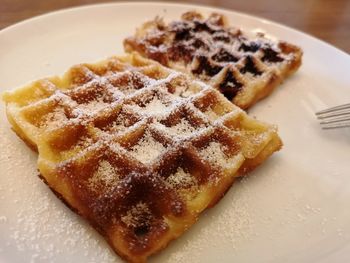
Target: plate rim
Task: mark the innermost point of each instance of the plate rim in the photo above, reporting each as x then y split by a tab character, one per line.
257	18
60	11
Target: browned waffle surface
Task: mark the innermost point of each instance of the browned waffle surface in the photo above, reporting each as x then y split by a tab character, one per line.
137	149
245	69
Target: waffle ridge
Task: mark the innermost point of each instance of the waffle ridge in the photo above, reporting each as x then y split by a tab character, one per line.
137	149
245	69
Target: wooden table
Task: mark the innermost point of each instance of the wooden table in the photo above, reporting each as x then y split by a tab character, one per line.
328	20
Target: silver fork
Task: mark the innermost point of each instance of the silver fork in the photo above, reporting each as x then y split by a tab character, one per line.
335	117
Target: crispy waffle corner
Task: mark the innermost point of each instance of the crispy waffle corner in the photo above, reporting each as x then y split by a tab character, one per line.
244	69
137	149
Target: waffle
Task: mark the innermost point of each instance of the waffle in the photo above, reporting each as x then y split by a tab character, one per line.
244	69
135	148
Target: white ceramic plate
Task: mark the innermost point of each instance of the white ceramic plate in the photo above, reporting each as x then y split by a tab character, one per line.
295	208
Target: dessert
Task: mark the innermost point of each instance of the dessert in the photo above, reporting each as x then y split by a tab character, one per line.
245	69
137	149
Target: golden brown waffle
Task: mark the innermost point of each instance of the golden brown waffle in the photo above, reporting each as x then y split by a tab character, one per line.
244	69
137	149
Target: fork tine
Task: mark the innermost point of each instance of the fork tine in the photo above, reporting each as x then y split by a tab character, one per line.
335	119
335	125
335	113
336	108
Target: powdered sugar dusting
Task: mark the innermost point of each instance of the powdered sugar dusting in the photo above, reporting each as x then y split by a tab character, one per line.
91	107
128	81
152	102
219	229
82	144
54	119
105	176
118	126
138	215
181	179
214	153
36	225
155	106
147	149
212	115
182	129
